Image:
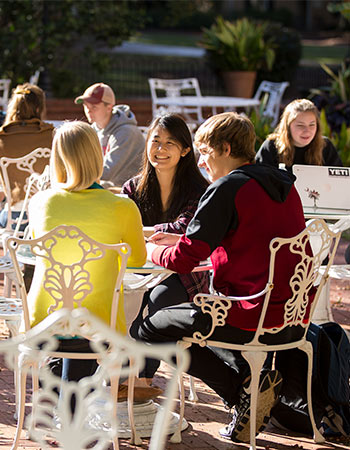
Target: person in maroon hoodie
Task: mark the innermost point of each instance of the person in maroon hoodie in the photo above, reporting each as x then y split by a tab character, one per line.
245	207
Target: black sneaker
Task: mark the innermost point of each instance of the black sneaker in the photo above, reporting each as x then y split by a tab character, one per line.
238	430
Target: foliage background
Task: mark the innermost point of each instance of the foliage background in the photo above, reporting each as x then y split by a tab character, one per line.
51	34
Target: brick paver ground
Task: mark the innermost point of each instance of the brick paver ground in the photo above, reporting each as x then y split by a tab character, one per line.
207	416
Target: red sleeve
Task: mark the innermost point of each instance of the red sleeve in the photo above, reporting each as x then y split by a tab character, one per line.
182	257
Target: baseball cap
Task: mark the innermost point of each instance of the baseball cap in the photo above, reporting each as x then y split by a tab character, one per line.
97	93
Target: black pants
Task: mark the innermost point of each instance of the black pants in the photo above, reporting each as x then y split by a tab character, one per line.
221	369
168	293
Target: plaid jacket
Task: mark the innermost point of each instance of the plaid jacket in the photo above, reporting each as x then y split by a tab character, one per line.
193	282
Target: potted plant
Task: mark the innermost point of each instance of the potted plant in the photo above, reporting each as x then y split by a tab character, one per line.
237	50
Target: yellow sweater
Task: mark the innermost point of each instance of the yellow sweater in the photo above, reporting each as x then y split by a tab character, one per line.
104	217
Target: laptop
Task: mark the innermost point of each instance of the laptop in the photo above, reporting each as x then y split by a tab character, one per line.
323	190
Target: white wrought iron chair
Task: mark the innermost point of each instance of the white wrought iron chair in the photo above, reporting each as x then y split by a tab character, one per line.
68	278
4	92
95	421
36	182
15	173
161	88
304	282
270	95
34	79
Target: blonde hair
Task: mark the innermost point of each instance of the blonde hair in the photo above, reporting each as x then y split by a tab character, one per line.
232	128
76	158
27	102
283	137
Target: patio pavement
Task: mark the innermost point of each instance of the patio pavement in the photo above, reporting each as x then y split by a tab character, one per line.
207	416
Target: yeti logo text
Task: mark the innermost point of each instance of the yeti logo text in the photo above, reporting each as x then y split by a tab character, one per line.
338	172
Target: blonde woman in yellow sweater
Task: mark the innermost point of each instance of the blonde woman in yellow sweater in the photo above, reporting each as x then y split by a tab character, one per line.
76	198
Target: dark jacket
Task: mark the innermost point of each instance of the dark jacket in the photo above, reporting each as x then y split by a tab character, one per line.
267	154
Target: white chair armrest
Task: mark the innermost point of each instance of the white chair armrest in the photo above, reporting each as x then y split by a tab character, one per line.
218	306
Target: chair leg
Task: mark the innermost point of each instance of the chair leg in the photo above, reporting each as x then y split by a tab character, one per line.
35	386
17	383
7	286
21	399
255	361
114	393
10	279
193	397
307	348
135	436
13	326
176	437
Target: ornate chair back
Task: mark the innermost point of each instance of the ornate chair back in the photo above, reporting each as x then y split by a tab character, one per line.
96	420
15	174
70	262
161	88
36	182
270	95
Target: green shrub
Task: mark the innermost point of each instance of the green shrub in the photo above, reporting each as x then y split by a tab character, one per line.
335	98
46	34
262	125
340	140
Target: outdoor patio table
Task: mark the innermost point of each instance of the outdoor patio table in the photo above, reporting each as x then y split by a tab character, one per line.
213	102
325	213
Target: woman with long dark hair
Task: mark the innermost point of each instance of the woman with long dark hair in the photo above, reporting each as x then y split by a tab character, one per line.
167	191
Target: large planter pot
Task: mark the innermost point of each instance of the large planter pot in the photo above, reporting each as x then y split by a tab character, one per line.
239	83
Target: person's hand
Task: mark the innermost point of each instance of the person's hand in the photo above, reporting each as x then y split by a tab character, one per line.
161	238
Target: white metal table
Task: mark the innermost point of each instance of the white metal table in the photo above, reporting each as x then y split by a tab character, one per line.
209	101
325	213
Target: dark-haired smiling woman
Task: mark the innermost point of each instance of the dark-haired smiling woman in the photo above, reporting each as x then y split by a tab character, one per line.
167	191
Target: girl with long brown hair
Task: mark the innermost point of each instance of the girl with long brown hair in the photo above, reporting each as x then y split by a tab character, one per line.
298	139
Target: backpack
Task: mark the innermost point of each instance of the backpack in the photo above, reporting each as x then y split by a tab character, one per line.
330	383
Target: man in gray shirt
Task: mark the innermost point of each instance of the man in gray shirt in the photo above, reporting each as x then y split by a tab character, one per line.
121	140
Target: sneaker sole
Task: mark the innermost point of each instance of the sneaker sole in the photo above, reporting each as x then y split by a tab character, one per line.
267	396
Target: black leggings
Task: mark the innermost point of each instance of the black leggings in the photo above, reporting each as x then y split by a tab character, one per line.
168	293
